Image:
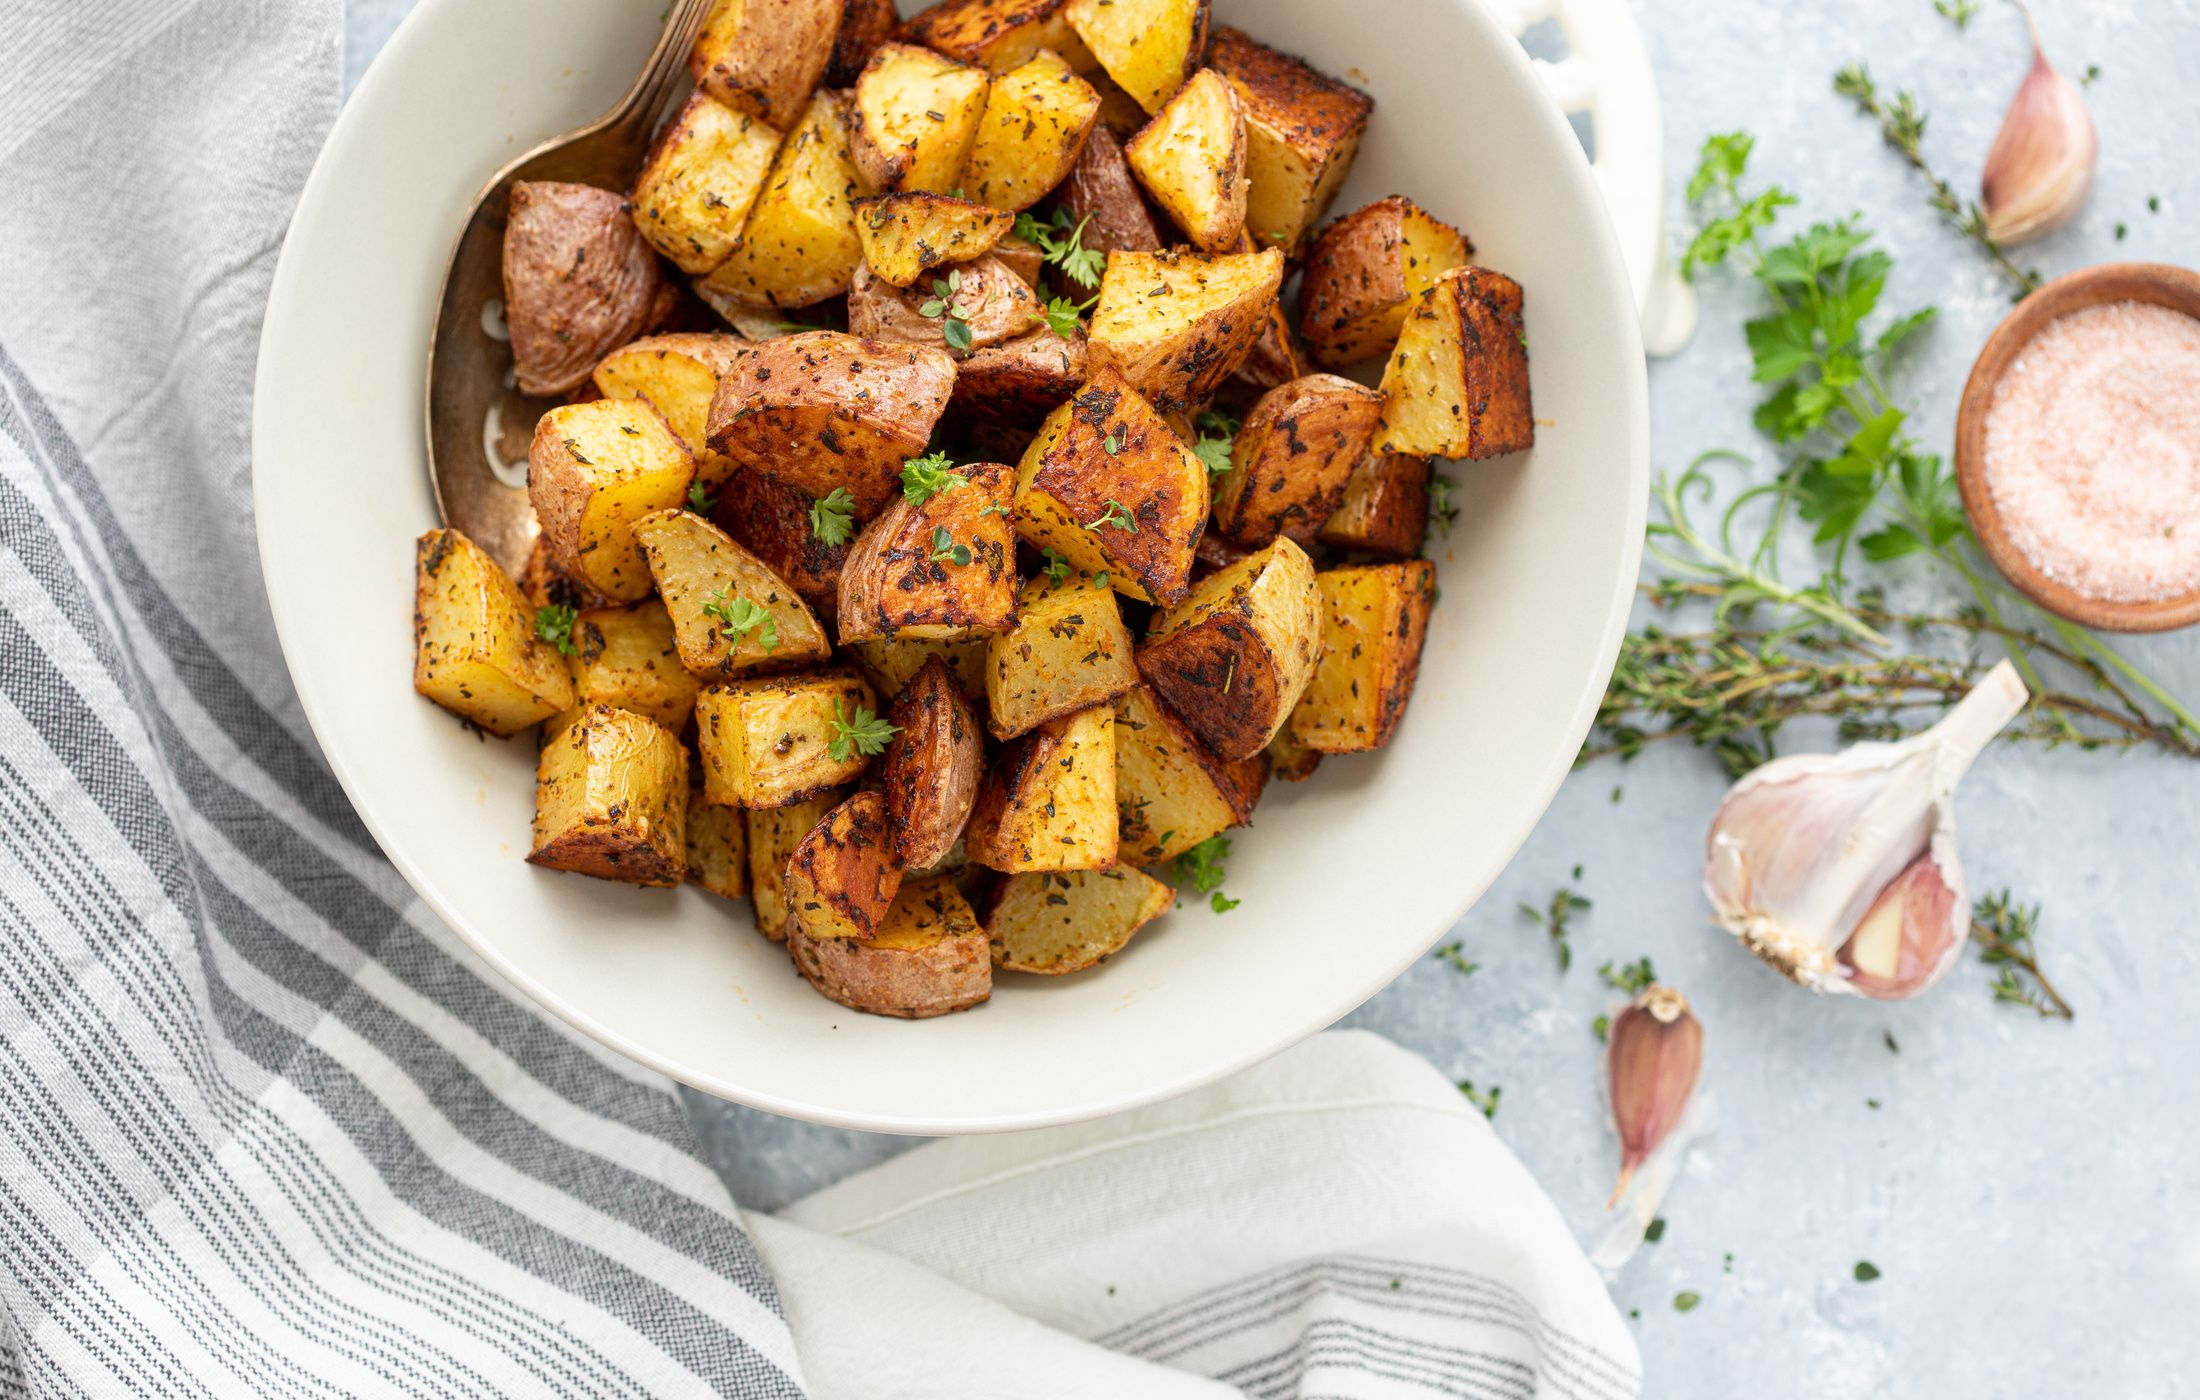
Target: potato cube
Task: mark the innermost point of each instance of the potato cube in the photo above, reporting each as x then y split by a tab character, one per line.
694	192
1457	383
592	471
905	236
990	304
1013	386
892	662
1170	792
611	795
842	877
1148	46
627	657
475	651
772	741
998	35
1057	922
864	25
1292	458
775	523
1365	271
764	57
929	958
1385	507
932	766
1374	620
1102	197
1049	801
1302	129
799	245
1068	651
1234	657
1176	324
941	569
579	282
1036	120
717	847
1191	159
917	113
730	614
676	374
773	833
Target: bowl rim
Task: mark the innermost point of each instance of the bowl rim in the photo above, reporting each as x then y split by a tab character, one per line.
2157	284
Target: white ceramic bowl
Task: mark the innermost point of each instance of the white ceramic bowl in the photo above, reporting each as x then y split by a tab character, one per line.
1346	880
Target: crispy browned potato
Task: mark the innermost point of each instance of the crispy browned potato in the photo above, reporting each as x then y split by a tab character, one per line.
1302	129
1191	159
764	57
677	373
773	833
1363	273
822	410
917	113
942	569
1293	457
730	613
1049	801
1234	657
1102	195
1274	358
1385	507
1171	793
1288	759
998	35
892	663
695	189
579	281
772	521
611	800
1176	324
1457	383
595	468
930	958
475	648
542	583
905	236
1053	923
932	766
1148	46
775	740
1214	555
1374	620
1108	486
1068	651
996	305
842	878
1018	383
628	657
864	25
1119	111
799	244
1027	260
1036	120
717	846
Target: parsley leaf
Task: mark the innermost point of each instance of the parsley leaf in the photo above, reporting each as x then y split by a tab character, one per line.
739	617
866	734
1079	264
922	478
1202	864
699	500
832	516
1217	438
554	624
1065	317
1057	567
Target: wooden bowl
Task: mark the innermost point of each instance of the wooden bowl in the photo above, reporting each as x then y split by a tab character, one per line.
2158	284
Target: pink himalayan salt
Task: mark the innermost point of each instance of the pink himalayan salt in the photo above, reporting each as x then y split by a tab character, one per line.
2093	452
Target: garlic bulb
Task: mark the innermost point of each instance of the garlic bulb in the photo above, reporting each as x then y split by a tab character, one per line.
2040	170
1654	1054
1840	869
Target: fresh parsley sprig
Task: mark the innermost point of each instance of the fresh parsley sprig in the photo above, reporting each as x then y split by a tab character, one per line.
1202	865
1062	245
866	734
1065	317
922	478
738	617
554	624
1217	438
700	501
833	516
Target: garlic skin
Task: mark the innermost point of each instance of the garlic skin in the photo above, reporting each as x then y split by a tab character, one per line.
1653	1056
1841	870
2039	172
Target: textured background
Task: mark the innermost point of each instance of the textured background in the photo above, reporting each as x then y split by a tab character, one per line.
2028	1189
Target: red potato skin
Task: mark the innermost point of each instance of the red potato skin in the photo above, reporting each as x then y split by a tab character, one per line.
1102	188
932	767
952	975
1293	457
772	522
1002	306
891	581
848	861
579	282
1015	385
864	25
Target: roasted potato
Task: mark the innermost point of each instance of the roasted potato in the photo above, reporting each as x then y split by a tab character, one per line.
730	613
1018	383
1191	159
917	113
1385	507
992	304
998	35
771	741
1068	651
773	833
579	281
1170	792
1120	112
1292	458
1049	801
611	796
842	877
1057	922
1177	324
1110	488
1234	657
628	657
676	374
475	650
932	766
773	522
906	235
1026	259
1102	196
822	410
542	583
799	244
1457	383
764	57
1274	358
1302	129
592	471
1150	47
1036	119
717	847
942	569
929	959
1374	620
694	192
1290	760
893	662
1365	270
864	25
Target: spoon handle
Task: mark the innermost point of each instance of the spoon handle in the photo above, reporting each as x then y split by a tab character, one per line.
635	118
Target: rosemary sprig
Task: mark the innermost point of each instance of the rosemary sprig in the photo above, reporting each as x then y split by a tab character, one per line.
2004	931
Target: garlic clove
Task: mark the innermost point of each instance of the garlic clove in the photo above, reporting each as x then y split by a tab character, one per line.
1655	1052
1912	935
2039	172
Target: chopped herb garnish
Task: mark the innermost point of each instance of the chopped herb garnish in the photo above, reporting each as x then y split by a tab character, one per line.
1442	514
1630	978
1202	864
1486	1100
1223	904
1063	246
699	500
1117	515
1866	1271
738	617
1554	918
554	624
1065	317
1057	568
866	734
1217	436
922	478
833	516
945	550
1454	954
1686	1302
1654	1231
945	306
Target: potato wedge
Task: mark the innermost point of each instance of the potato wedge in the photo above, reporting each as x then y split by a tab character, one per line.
1068	651
771	741
842	877
1288	759
1293	457
932	766
822	410
1374	620
931	957
1234	657
799	245
1037	117
1017	383
1457	383
1191	159
773	833
627	657
475	651
543	584
1053	923
892	663
906	235
1177	324
1365	271
579	281
1110	488
864	25
1150	47
1049	801
592	471
717	847
917	114
611	796
998	35
765	57
1171	793
695	189
1302	130
941	570
730	613
676	374
1102	195
1385	507
773	522
992	304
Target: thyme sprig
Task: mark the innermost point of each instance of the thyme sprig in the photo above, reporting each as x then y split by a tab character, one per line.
1556	918
2004	930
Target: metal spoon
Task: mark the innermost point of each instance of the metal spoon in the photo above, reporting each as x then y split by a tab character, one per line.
478	422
